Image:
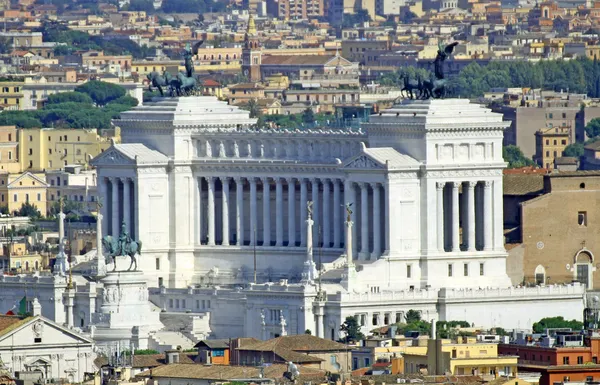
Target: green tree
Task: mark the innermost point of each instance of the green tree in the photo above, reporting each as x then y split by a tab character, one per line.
515	157
28	210
253	107
408	16
308	116
141	5
64	97
351	328
592	129
575	149
5	45
101	92
307	331
556	322
412	316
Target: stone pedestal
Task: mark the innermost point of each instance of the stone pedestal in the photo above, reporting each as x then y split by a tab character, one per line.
126	315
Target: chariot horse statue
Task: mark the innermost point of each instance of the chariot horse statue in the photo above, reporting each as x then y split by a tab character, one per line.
124	245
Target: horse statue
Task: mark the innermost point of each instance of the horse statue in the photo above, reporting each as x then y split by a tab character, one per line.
158	81
409	87
122	246
439	84
183	85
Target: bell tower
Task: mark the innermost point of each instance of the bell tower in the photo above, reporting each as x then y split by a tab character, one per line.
252	53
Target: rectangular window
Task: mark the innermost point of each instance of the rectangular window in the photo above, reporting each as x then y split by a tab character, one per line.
579	360
481	269
466	269
408	271
39	196
197	304
363	320
565	360
208	303
160	281
449	270
177	303
171	302
582	218
157	263
563	142
386	319
183	303
15	198
37	340
375	319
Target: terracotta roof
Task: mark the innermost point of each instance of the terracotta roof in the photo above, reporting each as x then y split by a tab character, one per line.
151	360
224	372
299	343
210	83
527	184
10	322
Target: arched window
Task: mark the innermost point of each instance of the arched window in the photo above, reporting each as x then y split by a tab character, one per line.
540	275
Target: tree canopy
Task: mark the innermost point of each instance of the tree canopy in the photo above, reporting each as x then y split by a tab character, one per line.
575	149
101	92
351	328
592	129
75	109
28	210
580	75
515	157
556	322
192	6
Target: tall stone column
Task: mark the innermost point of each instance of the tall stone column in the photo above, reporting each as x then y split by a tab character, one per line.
291	212
337	210
376	221
211	211
239	214
349	199
326	213
279	209
488	219
303	200
309	272
126	204
471	215
316	207
102	197
100	262
253	211
266	212
199	216
225	210
455	218
115	206
439	186
364	221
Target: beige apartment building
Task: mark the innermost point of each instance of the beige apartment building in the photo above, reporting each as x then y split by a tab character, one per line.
9	149
550	144
47	149
17	189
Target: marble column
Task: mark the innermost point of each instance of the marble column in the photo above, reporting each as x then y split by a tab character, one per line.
253	211
471	215
303	200
211	211
487	216
291	212
126	204
199	223
102	197
239	214
376	221
279	212
455	218
115	206
266	212
364	220
337	211
326	213
349	199
439	186
225	210
316	208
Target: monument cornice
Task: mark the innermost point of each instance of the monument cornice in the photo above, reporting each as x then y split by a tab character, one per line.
232	167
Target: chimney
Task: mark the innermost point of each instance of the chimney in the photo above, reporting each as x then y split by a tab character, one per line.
172	356
36	307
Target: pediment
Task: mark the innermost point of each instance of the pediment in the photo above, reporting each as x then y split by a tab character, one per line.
28	177
112	157
49	332
363	162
